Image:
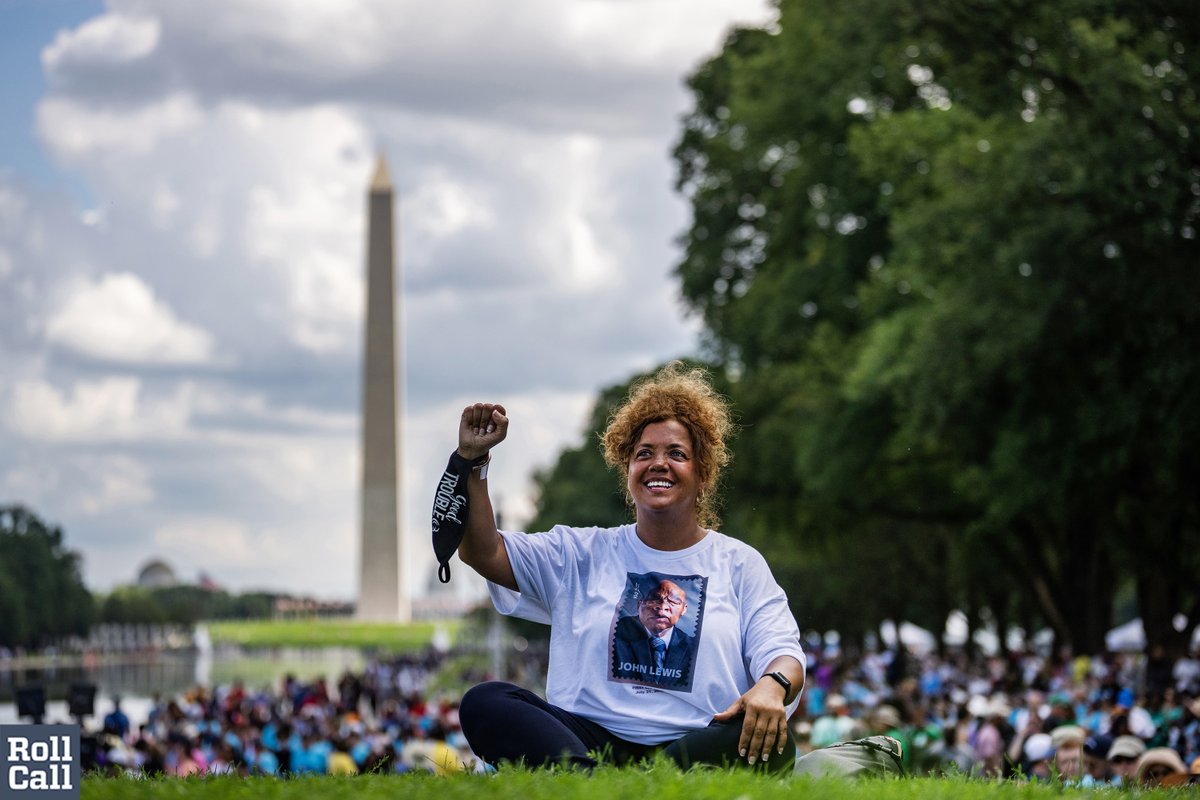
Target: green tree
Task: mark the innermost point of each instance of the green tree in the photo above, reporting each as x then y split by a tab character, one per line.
42	596
183	604
130	605
948	250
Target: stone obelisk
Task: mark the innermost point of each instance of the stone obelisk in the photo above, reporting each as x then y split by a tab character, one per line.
382	594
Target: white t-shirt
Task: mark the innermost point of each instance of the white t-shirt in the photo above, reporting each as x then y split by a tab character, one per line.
585	583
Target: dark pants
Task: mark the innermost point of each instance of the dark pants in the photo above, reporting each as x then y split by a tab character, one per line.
503	722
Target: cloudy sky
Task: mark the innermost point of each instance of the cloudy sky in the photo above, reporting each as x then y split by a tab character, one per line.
182	190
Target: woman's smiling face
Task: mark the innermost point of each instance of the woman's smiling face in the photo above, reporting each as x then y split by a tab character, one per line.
663	472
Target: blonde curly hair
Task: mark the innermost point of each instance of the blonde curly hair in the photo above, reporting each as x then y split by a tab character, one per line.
685	395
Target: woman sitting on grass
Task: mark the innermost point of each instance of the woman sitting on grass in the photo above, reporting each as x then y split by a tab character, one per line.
666	635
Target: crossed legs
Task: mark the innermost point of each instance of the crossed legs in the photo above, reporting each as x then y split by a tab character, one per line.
503	722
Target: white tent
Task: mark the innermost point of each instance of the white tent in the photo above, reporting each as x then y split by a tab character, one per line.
1131	637
1127	638
915	638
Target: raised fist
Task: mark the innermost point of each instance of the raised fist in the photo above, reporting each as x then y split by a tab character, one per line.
482	427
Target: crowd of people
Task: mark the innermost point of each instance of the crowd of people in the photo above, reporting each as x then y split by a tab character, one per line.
377	721
1105	720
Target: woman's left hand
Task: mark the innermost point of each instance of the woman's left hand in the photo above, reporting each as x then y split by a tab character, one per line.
765	726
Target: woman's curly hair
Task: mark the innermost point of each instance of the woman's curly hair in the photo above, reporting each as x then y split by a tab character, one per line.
686	395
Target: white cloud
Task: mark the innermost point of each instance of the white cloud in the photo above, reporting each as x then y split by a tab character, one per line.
116	482
210	540
304	222
591	64
591	257
308	555
109	38
301	470
239	409
105	410
206	330
118	318
32	484
76	130
87	485
256	212
445	205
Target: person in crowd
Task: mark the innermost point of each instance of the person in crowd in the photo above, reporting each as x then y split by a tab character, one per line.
1030	724
992	737
340	761
116	721
1156	764
1186	673
1068	760
1038	761
1191	778
668	441
1068	743
1123	756
1185	734
1096	769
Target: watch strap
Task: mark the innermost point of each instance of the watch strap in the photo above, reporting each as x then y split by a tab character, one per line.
782	680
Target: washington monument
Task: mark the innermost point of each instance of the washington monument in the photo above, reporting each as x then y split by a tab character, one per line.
382	593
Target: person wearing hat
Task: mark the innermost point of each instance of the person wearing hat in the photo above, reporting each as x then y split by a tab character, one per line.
1068	751
1156	764
1123	756
1068	736
1038	753
1191	778
885	718
1068	761
1096	769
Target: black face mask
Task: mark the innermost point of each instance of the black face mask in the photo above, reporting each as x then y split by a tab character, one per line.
450	511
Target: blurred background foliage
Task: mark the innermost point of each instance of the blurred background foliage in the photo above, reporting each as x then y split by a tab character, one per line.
945	257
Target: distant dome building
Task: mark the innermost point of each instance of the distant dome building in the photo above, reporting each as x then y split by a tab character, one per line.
156	574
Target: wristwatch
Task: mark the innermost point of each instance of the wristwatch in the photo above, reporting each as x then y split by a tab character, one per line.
783	681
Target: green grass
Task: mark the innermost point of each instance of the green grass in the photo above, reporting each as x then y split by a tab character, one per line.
313	633
266	671
659	782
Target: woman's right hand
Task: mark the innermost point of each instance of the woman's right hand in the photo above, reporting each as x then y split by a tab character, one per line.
482	427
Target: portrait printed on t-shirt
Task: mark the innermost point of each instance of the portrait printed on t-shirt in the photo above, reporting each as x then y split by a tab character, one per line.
656	630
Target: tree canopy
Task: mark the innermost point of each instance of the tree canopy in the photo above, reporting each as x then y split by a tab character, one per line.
945	256
42	596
